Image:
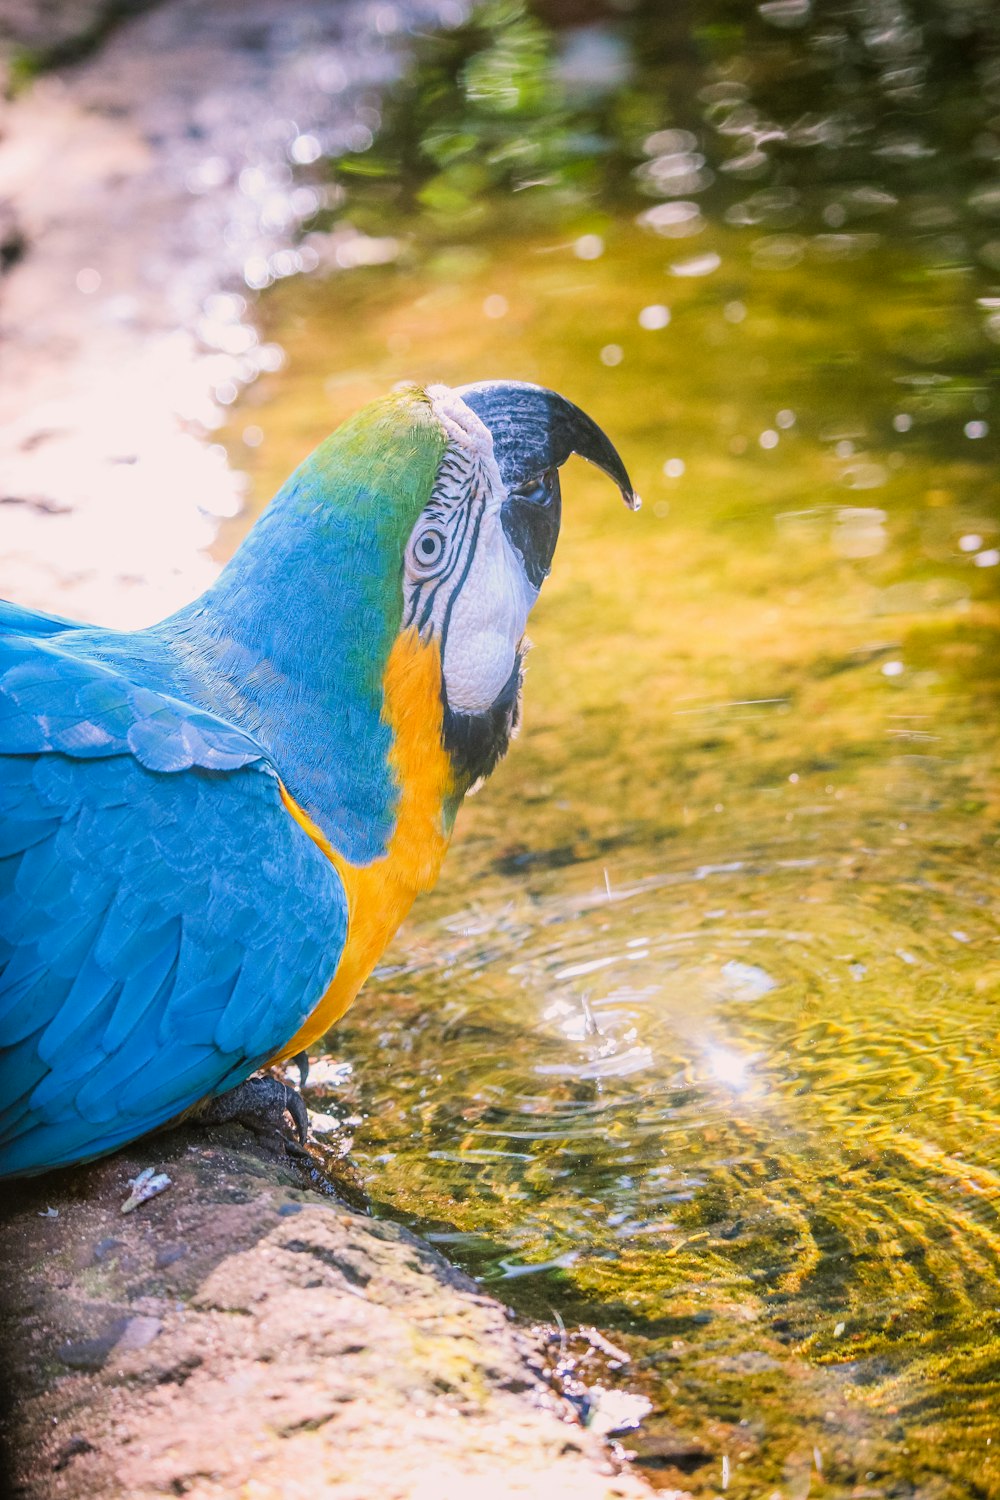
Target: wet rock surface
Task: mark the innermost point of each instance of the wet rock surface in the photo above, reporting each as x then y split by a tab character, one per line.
240	1333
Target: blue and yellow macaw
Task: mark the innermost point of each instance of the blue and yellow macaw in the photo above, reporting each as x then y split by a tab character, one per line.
210	829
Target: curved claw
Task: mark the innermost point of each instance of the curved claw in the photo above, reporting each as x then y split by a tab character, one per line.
295	1106
301	1061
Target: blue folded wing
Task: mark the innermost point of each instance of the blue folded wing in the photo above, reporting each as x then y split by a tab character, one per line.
16	619
165	925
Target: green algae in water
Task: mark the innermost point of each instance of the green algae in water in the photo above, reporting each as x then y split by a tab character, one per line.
698	1039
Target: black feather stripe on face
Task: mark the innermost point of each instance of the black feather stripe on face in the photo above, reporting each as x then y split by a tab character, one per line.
477	742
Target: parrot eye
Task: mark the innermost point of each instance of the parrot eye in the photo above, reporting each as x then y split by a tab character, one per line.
427	550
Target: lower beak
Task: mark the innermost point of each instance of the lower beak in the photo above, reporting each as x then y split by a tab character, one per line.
530	517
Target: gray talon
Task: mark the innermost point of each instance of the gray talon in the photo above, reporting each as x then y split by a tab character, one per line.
301	1061
295	1106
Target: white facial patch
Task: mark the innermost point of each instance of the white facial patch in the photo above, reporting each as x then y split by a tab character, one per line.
487	620
463	582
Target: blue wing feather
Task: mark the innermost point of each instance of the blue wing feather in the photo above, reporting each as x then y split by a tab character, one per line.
53	699
16	619
165	926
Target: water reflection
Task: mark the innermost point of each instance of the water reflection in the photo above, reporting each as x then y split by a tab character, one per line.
697	1041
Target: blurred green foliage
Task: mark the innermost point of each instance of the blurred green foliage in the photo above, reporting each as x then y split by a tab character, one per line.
522	114
484	114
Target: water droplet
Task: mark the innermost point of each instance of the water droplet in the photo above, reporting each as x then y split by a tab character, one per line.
304	202
987	559
588	247
864	476
270	357
727	1066
654	316
496	306
88	280
892	669
284	263
674	468
663	142
778	252
257	273
976	429
359	138
387	20
253	181
612	354
208	174
902	421
748	981
673	220
785	13
768	438
698	265
305	149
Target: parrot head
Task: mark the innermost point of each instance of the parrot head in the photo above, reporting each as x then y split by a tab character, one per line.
481	548
374	619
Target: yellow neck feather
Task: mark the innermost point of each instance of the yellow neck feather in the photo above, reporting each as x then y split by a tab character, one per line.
379	895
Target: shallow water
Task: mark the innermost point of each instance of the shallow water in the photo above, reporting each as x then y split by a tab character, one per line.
698	1039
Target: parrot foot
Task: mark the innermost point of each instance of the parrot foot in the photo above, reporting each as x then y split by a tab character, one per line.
261	1104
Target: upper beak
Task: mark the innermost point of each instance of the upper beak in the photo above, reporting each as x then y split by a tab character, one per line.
534	432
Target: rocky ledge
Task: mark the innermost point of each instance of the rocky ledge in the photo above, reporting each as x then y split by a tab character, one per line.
245	1333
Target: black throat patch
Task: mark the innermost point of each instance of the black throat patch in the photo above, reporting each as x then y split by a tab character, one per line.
476	742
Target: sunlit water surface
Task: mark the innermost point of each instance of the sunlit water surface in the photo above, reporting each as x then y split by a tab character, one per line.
698	1039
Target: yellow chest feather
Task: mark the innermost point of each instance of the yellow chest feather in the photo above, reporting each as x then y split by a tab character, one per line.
379	895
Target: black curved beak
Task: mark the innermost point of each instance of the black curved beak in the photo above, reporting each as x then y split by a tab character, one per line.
534	432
